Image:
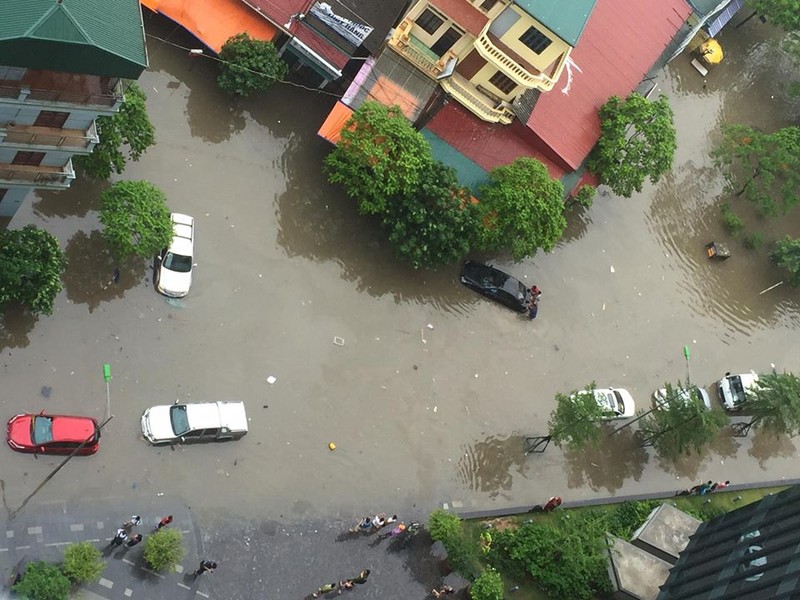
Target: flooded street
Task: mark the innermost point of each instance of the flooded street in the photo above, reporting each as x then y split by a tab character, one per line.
420	415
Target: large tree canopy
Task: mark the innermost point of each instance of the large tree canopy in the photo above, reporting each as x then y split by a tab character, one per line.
763	167
435	225
786	254
522	208
637	140
379	157
249	65
576	419
135	219
774	403
31	265
130	127
783	13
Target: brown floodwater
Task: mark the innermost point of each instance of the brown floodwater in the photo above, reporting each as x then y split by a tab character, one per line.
433	390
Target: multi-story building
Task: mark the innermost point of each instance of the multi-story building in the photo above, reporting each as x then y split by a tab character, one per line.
486	53
62	65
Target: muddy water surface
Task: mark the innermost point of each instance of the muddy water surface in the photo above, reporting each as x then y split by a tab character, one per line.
420	415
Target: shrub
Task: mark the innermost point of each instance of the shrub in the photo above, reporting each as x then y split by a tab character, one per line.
489	586
462	554
732	222
43	581
164	549
585	195
82	563
753	241
444	526
628	516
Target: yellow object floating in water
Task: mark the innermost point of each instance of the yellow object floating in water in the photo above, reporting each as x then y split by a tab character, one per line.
711	51
332	446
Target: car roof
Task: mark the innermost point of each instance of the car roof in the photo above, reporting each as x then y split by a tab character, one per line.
183	234
207	415
509	283
748	379
71	429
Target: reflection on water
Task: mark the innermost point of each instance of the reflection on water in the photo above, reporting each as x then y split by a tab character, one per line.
486	466
16	323
690	464
89	279
78	200
767	445
617	457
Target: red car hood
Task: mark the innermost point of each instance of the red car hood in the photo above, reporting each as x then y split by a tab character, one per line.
19	429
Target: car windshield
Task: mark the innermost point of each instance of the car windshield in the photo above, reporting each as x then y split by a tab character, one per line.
737	389
615	402
42	430
177	416
177	262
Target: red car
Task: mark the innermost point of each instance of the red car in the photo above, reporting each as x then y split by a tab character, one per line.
52	434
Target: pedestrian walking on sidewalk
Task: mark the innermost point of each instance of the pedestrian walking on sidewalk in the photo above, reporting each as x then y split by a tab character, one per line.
720	485
129	525
205	565
133	541
324	589
164	522
119	538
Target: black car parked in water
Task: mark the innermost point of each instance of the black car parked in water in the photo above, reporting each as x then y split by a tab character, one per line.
496	285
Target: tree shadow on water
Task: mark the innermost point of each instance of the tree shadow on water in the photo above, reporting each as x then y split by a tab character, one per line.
616	457
766	445
79	199
16	323
688	465
486	465
90	275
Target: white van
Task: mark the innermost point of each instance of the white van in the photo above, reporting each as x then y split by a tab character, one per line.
732	389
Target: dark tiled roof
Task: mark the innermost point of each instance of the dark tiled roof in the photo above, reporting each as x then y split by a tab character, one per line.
748	554
97	37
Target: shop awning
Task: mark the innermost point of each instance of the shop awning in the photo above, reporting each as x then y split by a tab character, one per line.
214	21
331	129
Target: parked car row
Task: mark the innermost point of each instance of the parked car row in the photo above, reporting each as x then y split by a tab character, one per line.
164	424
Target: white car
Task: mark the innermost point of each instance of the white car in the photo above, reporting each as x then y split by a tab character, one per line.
732	389
174	273
682	394
616	402
202	422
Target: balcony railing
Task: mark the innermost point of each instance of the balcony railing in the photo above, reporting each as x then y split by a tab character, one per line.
417	53
69	139
510	67
99	97
37	176
483	107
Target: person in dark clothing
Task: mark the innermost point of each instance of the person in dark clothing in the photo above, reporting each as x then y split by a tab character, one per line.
205	565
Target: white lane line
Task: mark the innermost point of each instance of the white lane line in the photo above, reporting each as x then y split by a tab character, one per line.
23	547
106	583
76	527
34	530
202	594
58	544
3	549
128	592
184	586
153	573
9	534
179	568
129	562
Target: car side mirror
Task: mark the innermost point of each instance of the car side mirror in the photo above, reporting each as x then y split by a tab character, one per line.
176	401
183	439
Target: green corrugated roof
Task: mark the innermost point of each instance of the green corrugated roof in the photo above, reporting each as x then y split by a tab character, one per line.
99	37
565	18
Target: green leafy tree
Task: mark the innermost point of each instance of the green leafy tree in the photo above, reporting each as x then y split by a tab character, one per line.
585	195
681	423
135	218
786	254
379	157
637	140
43	581
249	65
783	13
130	128
82	563
567	556
163	550
462	554
31	268
488	586
575	422
434	226
774	403
762	167
522	208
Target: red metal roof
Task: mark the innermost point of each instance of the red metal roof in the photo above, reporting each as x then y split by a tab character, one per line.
622	40
463	13
489	145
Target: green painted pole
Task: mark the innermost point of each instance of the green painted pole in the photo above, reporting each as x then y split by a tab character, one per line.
107	377
687	355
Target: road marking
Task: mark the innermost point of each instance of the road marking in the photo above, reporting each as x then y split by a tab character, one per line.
179	568
129	562
93	540
76	527
128	592
3	549
23	548
58	544
202	594
9	534
34	531
100	524
106	583
184	586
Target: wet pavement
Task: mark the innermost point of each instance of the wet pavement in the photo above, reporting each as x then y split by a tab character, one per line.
420	416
